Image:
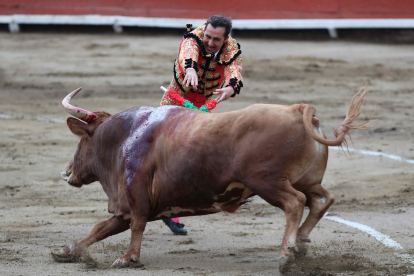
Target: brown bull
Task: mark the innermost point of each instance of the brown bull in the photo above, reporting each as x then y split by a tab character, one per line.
156	163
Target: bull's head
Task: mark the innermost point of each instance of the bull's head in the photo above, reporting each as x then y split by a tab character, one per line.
79	170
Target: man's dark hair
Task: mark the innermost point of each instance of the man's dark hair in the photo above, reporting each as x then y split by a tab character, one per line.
220	21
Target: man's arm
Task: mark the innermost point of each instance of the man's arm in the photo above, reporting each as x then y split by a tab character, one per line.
187	58
234	81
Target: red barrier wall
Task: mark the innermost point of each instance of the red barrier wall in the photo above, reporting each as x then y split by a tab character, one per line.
237	9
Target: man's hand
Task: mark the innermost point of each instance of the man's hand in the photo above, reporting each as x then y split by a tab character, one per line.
225	93
191	78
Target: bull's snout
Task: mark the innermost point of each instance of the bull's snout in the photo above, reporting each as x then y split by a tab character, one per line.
68	177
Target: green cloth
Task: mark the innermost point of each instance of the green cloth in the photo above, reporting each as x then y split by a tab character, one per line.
188	104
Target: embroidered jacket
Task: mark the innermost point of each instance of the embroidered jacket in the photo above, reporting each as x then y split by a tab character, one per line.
213	72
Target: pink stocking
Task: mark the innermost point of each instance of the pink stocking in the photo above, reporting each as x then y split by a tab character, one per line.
177	220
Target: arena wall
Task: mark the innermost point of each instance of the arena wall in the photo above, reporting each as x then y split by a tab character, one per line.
259	15
240	9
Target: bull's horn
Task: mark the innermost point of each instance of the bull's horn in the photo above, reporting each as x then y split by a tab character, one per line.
163	88
84	115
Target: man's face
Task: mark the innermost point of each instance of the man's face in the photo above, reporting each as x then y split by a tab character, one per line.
213	38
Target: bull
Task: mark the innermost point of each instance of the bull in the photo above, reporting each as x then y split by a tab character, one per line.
170	161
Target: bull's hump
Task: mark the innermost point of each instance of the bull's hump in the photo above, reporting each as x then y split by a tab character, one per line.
135	117
135	114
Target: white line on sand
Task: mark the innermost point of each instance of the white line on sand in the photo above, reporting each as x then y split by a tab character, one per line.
375	153
384	239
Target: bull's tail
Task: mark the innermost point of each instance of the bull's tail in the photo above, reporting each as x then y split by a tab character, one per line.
340	131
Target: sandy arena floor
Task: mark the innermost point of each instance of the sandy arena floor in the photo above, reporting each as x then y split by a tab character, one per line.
40	213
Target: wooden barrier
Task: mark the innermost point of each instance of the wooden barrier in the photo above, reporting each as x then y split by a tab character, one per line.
240	9
259	14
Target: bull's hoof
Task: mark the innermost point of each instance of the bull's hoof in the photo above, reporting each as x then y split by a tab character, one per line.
286	262
123	262
65	257
302	250
302	244
120	263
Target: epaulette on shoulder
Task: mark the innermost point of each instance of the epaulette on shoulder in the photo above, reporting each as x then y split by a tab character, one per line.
229	52
197	34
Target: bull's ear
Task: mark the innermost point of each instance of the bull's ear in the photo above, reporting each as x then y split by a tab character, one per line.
78	127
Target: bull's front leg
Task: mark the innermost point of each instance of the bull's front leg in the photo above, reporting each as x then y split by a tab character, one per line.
132	255
112	226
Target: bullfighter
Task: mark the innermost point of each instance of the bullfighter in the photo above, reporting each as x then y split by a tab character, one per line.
209	63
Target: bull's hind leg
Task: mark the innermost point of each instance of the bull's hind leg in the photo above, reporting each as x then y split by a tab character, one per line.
318	200
281	194
112	226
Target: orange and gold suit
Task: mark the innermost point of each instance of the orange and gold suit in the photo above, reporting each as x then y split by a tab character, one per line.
213	72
